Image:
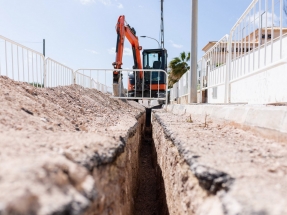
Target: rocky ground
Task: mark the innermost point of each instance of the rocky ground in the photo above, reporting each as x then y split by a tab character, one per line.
51	139
246	172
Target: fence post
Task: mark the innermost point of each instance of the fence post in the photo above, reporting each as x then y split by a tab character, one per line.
45	71
228	69
74	77
201	80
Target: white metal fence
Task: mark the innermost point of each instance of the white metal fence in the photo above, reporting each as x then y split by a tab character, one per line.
21	63
58	74
153	87
180	88
256	43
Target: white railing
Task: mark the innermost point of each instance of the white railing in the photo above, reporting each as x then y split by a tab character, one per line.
213	65
21	63
256	43
94	78
126	89
24	64
58	74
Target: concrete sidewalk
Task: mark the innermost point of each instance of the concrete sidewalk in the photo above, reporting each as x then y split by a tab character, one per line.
213	168
266	120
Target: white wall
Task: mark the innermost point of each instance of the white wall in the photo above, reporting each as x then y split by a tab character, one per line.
220	95
266	87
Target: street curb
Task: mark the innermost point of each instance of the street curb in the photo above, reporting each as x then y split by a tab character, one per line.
268	121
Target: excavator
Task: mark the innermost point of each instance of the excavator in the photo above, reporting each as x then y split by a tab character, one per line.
149	84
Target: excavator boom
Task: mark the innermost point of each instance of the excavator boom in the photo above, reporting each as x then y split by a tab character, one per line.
125	31
150	83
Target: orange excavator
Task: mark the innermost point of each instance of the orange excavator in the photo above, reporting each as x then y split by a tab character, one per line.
147	83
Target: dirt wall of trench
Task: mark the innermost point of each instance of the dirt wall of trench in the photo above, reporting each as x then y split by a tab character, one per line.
184	195
117	182
67	150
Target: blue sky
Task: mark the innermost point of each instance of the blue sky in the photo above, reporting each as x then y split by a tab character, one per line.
81	33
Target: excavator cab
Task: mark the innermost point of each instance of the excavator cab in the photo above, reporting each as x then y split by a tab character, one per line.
155	59
154	81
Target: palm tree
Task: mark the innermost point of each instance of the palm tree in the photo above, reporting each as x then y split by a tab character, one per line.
178	66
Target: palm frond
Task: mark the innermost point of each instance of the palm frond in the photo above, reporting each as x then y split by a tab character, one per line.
182	56
188	57
178	66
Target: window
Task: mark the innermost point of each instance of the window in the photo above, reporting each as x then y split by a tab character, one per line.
269	36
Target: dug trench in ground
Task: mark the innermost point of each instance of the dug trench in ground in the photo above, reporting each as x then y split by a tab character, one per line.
211	167
70	150
67	150
150	197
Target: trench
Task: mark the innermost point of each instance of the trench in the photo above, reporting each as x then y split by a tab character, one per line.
150	196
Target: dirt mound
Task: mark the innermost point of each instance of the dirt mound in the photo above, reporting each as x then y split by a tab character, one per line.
51	139
70	108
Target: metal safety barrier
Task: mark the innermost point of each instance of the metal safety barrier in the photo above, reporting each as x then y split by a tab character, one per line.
154	86
57	74
24	64
21	63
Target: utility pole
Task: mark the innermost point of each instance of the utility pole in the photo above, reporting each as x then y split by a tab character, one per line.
44	47
192	82
162	26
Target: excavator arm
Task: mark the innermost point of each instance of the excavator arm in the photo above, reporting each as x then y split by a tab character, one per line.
125	31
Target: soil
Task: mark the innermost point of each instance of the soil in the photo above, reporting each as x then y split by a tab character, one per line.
150	199
146	200
51	139
251	169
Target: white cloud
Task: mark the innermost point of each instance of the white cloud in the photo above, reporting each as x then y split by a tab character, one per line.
92	51
114	3
87	1
255	22
105	2
178	46
127	51
120	6
112	50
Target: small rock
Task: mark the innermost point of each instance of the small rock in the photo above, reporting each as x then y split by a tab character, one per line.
8	98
